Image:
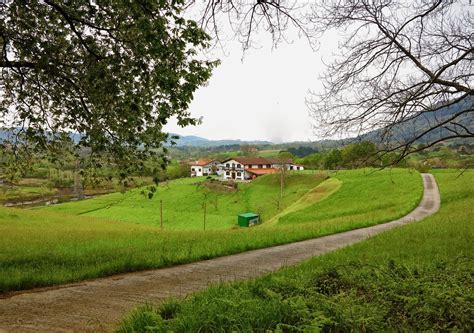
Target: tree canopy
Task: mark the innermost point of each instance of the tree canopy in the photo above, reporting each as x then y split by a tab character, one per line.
112	71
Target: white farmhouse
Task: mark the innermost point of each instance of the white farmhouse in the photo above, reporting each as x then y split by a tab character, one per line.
242	168
288	164
205	168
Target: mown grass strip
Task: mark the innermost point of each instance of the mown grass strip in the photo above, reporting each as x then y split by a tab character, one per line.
315	195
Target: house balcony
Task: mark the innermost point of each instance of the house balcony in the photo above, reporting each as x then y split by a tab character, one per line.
241	169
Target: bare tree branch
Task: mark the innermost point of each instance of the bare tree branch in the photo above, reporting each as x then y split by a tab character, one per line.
402	63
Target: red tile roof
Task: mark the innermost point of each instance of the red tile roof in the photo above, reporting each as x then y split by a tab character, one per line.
262	171
200	162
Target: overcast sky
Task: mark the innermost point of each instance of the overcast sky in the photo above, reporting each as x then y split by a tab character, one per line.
261	97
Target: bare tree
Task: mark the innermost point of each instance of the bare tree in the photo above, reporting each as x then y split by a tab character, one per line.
247	18
402	63
277	201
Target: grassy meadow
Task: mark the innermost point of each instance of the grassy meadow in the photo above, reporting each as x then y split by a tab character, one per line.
418	277
42	247
366	196
183	201
268	153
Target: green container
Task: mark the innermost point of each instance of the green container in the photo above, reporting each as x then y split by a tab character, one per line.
248	219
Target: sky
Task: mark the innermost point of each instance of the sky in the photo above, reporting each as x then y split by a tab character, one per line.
259	95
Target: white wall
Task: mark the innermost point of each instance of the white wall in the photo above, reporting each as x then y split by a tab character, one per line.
197	171
220	169
232	162
294	167
206	170
237	177
233	167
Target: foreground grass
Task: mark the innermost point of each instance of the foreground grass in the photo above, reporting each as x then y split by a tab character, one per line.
42	248
183	201
415	278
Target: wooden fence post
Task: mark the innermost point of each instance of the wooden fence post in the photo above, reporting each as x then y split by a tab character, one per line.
204	216
161	214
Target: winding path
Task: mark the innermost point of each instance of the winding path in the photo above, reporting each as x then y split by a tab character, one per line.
97	305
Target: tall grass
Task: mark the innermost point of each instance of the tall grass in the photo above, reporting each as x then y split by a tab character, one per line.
41	248
419	277
23	193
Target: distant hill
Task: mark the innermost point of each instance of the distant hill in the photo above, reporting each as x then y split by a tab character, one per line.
400	133
8	134
197	141
412	128
187	140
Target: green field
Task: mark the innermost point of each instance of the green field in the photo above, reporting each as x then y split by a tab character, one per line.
42	247
362	202
315	195
419	277
183	201
268	153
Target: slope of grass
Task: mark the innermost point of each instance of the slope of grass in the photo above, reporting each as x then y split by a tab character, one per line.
41	248
183	201
320	192
365	197
419	277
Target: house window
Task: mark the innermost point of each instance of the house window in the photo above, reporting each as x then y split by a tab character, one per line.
291	167
227	173
239	166
227	165
199	169
260	166
192	169
269	165
233	165
239	174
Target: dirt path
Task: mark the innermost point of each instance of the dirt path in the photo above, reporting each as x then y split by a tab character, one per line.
96	306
